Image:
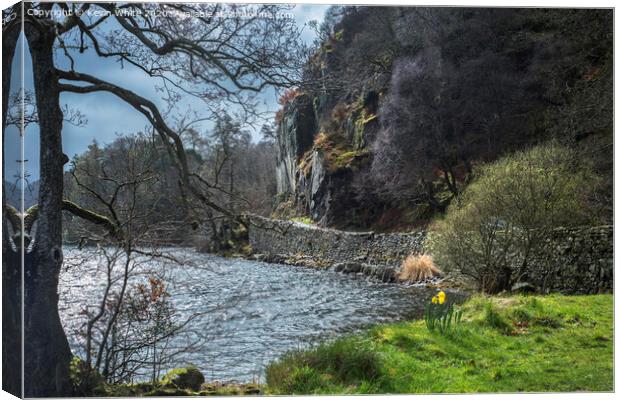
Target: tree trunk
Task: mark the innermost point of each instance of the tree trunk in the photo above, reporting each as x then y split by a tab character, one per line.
11	259
47	353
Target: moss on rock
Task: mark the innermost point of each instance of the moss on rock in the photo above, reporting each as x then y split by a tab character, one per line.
184	378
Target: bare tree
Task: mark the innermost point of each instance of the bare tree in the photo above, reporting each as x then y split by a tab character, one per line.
131	327
11	260
217	58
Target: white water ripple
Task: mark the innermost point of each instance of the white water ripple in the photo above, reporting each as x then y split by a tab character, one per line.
258	311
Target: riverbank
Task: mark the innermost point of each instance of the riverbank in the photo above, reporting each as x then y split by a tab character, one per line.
551	343
504	344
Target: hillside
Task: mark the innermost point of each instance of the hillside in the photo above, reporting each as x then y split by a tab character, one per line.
400	105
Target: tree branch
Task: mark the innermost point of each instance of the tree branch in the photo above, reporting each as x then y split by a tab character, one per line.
147	108
31	215
92	217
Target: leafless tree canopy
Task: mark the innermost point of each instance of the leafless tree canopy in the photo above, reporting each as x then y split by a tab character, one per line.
217	53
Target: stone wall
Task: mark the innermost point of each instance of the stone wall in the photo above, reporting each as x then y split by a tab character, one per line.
378	254
331	245
581	261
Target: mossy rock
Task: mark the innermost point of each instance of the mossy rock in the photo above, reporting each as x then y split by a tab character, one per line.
184	378
251	389
167	392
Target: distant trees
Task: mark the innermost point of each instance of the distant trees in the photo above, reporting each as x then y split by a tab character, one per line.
130	181
244	170
241	176
241	170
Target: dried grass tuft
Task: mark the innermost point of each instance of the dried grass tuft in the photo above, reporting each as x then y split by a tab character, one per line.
418	268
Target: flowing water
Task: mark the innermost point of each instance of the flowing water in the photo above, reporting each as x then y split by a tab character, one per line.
250	312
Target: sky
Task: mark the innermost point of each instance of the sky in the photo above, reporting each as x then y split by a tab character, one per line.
109	117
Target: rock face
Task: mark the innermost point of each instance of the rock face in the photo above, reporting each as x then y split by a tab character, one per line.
324	136
321	179
295	136
327	133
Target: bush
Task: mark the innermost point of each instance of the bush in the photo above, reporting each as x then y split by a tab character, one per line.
184	378
417	268
504	218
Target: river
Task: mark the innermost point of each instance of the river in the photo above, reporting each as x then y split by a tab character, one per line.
254	311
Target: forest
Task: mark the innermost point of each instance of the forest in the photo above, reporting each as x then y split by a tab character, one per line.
487	130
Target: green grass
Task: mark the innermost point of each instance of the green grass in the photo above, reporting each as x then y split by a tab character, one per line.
549	343
303	220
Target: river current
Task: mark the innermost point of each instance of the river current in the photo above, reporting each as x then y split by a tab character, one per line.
251	312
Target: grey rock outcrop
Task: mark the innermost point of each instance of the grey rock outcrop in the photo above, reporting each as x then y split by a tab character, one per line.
295	136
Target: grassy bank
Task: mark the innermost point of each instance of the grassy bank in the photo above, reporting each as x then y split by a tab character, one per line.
504	344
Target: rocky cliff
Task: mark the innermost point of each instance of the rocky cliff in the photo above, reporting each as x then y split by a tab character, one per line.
325	131
399	104
315	175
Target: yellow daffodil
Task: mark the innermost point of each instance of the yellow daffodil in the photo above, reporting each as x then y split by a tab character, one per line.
441	296
434	300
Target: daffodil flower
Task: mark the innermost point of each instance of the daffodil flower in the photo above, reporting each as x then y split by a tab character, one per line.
441	296
434	300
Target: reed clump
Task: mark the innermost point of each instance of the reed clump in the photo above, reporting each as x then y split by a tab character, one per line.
418	268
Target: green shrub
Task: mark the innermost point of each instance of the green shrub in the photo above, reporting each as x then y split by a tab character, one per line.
504	218
184	378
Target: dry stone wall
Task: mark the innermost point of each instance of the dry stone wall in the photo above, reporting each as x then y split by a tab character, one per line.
334	246
581	260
